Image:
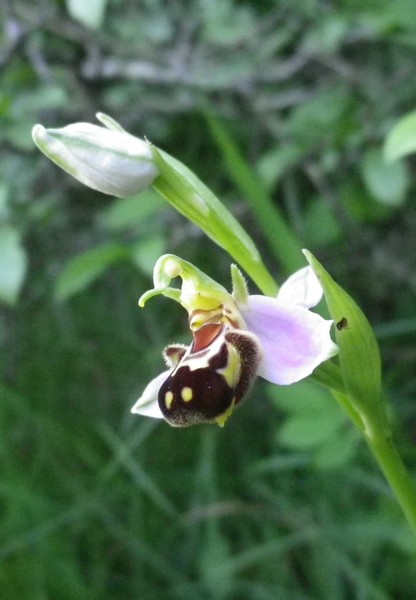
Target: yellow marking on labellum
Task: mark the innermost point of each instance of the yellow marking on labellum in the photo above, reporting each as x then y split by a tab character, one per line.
231	371
187	394
223	418
199	317
168	399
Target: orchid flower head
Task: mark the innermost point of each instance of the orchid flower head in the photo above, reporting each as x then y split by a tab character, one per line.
107	159
235	337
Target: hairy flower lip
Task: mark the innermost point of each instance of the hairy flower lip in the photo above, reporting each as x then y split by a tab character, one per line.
110	161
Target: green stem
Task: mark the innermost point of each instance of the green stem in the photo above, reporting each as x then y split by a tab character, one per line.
385	452
374	425
345	403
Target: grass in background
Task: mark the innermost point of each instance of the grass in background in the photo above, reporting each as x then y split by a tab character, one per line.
284	502
99	504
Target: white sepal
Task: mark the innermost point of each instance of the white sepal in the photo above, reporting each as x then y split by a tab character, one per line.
148	405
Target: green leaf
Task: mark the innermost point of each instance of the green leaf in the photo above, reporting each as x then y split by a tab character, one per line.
19	135
401	140
300	397
321	117
387	182
276	162
338	450
126	213
359	204
49	96
321	226
4	200
312	415
311	429
314	423
88	12
359	355
85	268
13	264
146	252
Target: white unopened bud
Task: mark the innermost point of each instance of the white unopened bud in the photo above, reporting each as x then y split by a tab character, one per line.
108	160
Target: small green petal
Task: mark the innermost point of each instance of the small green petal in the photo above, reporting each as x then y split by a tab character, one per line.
172	293
109	122
240	291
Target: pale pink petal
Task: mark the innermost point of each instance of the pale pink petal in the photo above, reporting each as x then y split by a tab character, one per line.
294	340
302	288
147	405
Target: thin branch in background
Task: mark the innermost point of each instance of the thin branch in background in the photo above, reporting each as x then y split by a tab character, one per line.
14	34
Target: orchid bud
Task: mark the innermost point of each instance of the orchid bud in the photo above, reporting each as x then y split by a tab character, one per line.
108	160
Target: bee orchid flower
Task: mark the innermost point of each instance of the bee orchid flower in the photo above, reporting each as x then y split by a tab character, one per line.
235	338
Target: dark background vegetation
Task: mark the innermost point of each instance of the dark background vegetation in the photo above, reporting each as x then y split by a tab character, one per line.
285	501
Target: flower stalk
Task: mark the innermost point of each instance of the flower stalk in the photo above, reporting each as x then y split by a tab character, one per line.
237	336
402	485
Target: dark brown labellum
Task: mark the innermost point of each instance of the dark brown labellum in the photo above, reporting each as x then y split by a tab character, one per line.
211	377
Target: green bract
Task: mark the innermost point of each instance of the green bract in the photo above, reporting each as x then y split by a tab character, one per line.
359	355
186	192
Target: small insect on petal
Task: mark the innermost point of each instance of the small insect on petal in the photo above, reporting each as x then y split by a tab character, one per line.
342	324
212	376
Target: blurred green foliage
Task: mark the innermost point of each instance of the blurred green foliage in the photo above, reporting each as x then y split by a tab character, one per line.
284	502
